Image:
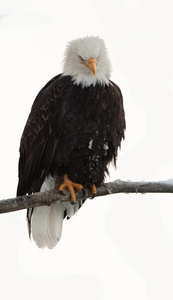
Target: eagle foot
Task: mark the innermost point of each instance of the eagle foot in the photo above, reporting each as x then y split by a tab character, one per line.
93	190
70	185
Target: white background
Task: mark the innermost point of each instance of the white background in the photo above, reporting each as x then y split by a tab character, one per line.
116	247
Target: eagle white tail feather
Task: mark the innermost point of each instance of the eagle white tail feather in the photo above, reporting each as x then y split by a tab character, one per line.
46	225
45	222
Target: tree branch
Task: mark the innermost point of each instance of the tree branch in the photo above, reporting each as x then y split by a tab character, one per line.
117	186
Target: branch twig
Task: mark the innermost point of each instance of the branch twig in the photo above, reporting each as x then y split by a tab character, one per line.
117	186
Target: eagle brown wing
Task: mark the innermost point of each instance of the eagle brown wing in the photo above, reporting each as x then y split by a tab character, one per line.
39	139
64	119
120	126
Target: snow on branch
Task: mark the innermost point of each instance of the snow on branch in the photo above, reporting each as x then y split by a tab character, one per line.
117	186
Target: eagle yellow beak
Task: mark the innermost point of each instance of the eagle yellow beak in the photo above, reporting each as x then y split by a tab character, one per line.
91	64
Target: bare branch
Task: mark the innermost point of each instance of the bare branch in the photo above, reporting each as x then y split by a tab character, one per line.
117	186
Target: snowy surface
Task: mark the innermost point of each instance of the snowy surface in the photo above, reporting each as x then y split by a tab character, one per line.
117	247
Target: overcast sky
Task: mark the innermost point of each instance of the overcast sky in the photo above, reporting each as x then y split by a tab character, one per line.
116	247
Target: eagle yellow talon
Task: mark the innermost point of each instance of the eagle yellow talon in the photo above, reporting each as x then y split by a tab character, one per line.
93	190
70	185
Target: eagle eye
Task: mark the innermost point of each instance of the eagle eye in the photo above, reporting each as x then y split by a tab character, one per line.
81	58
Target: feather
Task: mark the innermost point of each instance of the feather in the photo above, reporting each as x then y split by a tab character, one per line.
47	225
45	222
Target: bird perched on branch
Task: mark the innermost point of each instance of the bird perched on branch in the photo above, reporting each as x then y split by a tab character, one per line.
74	129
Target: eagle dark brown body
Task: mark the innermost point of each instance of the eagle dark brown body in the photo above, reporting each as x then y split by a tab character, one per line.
71	130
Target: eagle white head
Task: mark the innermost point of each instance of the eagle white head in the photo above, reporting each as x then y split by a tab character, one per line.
86	61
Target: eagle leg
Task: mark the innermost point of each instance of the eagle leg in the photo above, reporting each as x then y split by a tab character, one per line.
70	185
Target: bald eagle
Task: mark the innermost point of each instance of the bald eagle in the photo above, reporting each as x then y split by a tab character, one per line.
73	132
